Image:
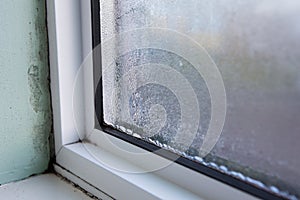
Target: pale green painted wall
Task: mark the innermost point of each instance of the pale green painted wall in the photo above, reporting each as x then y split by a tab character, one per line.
25	113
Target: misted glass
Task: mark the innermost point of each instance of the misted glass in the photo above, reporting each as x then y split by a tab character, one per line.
155	90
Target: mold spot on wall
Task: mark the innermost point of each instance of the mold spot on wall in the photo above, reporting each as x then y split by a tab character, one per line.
35	88
40	139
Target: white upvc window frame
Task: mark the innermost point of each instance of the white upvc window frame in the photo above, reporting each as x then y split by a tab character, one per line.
70	41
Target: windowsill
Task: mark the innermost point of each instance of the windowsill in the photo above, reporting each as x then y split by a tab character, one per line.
98	168
46	186
119	184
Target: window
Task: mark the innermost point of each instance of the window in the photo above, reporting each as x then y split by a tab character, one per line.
183	92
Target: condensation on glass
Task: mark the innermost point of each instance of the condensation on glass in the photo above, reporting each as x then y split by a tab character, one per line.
156	93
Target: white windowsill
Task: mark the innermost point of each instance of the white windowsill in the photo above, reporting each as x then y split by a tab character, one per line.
100	167
46	187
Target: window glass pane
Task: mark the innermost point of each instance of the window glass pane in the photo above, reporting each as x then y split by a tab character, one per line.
174	68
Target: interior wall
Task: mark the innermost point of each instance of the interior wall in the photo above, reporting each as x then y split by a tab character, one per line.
25	112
